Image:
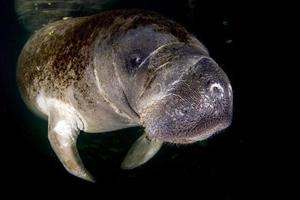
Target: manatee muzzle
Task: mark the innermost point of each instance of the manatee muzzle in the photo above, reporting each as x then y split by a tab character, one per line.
192	107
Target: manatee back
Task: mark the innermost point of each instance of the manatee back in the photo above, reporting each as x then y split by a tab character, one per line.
54	58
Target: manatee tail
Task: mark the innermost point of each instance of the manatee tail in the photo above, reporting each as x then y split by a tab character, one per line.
34	14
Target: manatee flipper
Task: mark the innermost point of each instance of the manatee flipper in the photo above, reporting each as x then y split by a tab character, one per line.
141	151
62	134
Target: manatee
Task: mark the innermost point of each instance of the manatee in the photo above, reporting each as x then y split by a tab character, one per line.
120	69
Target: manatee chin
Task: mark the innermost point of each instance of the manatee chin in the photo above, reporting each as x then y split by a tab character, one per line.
193	107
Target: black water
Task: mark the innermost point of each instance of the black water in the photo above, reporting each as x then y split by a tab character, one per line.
220	168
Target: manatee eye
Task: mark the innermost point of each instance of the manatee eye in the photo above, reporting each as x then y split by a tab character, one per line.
135	60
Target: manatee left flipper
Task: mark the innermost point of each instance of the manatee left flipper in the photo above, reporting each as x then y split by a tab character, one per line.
141	151
62	133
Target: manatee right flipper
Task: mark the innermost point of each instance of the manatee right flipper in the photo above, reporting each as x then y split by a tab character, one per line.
62	133
141	151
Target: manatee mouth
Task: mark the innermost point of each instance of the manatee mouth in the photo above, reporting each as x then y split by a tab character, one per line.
189	129
165	132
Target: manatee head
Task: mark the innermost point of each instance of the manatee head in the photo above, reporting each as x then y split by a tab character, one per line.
178	91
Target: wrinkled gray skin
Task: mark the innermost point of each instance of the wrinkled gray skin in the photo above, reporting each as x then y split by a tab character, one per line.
122	69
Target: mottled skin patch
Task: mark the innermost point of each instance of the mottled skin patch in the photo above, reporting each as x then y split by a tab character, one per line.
56	57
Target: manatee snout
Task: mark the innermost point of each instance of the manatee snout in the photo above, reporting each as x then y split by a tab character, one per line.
195	105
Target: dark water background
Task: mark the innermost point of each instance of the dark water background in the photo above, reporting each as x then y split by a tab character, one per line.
220	168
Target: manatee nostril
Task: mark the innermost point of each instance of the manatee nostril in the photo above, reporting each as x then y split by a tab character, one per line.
216	90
